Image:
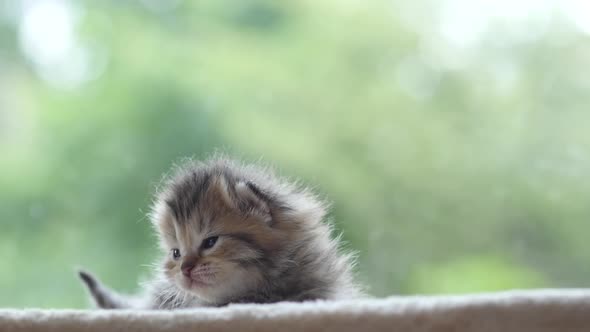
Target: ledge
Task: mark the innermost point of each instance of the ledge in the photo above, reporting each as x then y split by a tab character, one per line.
518	311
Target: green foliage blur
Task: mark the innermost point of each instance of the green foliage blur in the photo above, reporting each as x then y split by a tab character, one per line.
453	140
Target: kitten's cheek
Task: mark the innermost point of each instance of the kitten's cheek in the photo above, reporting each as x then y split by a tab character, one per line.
231	272
170	274
170	269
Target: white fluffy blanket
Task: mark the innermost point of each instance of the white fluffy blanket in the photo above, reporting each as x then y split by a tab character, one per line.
522	311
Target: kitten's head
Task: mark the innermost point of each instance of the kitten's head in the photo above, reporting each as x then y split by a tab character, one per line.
223	227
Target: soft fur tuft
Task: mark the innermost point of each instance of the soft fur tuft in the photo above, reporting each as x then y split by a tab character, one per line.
235	233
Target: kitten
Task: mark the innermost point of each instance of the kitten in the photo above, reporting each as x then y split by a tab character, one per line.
235	233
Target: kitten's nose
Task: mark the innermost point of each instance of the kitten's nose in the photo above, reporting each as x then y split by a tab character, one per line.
186	267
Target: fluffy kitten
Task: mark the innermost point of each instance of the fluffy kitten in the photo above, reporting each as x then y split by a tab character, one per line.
235	233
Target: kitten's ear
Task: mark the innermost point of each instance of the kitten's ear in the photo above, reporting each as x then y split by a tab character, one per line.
222	188
253	200
244	196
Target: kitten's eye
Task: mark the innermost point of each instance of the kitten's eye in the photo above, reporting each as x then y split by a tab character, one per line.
175	253
209	242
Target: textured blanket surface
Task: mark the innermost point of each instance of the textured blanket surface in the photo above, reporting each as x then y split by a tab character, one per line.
520	311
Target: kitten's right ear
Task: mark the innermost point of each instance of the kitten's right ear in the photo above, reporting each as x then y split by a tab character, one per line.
162	220
224	191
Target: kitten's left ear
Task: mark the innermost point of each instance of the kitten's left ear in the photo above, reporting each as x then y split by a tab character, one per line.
253	200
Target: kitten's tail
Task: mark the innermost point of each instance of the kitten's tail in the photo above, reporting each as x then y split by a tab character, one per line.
103	296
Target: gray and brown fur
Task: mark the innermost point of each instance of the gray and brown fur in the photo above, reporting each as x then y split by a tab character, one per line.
274	244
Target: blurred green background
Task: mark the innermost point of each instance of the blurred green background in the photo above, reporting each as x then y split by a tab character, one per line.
452	136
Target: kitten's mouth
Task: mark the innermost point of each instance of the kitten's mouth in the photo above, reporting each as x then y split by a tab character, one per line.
201	279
